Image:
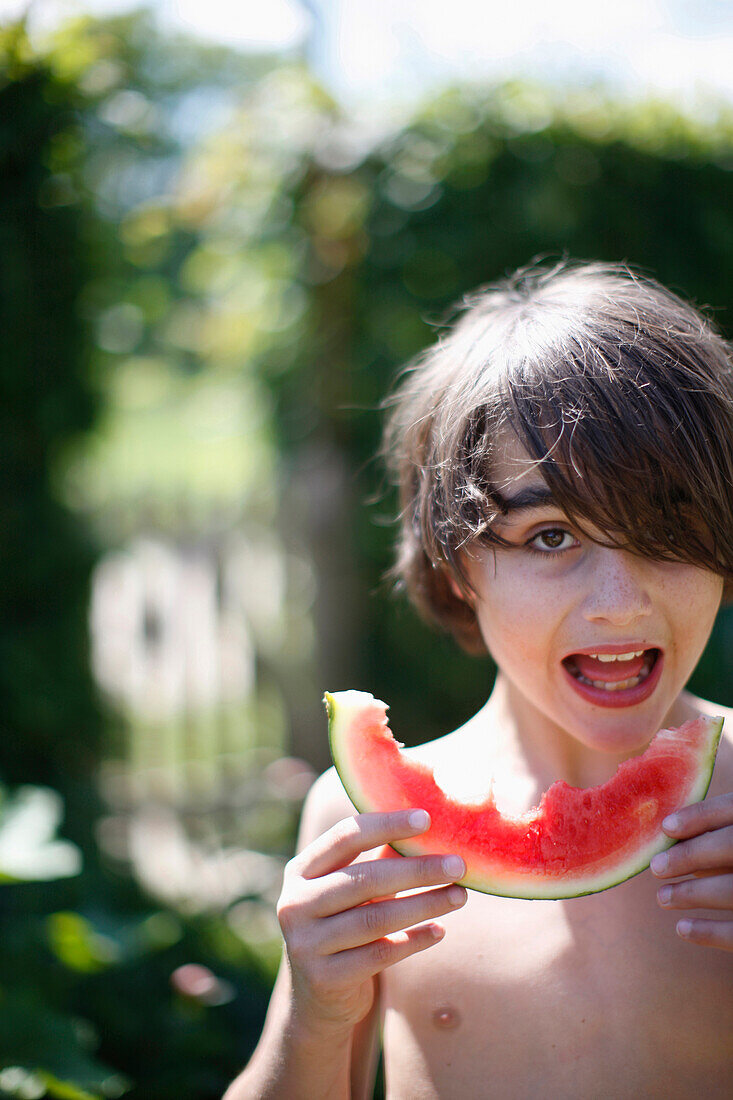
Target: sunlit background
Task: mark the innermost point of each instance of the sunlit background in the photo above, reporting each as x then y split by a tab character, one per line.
388	52
225	227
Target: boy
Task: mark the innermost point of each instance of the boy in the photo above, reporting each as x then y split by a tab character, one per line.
565	463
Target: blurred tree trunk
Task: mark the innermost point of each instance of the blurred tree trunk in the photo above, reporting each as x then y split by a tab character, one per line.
319	511
319	504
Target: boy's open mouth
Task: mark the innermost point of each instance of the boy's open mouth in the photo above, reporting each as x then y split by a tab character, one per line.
612	672
614	679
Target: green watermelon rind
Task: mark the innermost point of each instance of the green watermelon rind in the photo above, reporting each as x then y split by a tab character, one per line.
340	708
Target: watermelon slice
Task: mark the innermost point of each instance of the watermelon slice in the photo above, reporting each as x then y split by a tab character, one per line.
577	841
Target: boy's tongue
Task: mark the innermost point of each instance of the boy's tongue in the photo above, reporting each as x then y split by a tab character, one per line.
608	671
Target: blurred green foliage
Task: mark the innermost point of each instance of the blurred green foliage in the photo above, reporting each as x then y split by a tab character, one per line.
184	425
87	993
87	1007
29	851
46	558
210	281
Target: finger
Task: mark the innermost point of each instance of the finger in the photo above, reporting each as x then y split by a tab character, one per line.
707	933
368	881
349	838
712	892
714	871
368	923
364	962
710	850
713	813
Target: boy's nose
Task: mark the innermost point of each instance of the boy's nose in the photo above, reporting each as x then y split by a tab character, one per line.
618	593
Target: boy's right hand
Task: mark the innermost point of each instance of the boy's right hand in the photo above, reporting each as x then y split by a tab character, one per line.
341	922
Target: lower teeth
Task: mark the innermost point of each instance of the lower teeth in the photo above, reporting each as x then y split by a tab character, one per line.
618	685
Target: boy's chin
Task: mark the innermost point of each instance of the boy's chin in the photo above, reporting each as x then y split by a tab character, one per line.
617	733
622	742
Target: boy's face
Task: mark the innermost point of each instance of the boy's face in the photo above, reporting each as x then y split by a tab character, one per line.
546	605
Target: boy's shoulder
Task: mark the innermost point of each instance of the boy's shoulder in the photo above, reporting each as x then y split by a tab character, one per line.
326	803
722	781
714	710
329	794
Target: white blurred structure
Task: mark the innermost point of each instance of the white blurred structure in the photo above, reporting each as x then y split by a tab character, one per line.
169	630
177	633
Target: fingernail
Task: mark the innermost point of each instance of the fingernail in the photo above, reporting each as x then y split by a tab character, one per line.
664	895
457	895
672	823
660	863
419	819
454	866
684	927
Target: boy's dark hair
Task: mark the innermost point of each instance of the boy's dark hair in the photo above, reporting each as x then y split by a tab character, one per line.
619	390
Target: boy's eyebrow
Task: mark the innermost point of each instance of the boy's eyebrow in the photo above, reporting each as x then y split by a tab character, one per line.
537	497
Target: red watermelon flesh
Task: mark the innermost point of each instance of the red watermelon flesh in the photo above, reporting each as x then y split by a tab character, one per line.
576	841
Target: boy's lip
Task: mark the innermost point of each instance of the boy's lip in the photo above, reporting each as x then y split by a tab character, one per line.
609	647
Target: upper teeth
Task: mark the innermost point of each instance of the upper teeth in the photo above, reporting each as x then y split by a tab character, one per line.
616	656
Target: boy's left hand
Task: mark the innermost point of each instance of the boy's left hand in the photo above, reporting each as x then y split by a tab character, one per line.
705	851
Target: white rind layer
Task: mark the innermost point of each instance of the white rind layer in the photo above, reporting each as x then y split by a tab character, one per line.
342	706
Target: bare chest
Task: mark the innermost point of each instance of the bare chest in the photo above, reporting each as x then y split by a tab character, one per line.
594	996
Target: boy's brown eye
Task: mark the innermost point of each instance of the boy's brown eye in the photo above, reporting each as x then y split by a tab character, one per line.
553	539
551	542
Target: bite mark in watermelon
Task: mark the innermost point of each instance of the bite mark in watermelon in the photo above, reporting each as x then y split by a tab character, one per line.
576	841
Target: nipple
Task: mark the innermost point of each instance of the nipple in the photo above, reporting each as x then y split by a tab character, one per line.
446	1017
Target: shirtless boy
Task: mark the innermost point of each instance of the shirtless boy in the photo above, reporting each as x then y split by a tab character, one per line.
565	462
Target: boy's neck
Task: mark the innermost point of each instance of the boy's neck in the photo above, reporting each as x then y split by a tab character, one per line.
547	752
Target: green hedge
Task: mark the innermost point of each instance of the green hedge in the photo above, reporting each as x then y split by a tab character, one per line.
51	722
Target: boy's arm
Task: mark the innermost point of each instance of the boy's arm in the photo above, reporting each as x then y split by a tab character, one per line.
365	1052
288	1062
